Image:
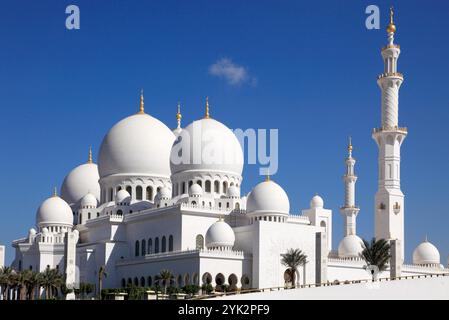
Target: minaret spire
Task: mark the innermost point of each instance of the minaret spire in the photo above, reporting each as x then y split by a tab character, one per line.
391	28
142	103
90	158
206	115
55	192
350	211
179	116
389	201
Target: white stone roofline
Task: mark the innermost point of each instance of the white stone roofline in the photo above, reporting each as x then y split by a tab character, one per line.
213	253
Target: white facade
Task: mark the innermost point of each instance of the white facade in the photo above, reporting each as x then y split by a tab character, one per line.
2	256
138	212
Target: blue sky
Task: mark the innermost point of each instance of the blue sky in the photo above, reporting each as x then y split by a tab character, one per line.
310	71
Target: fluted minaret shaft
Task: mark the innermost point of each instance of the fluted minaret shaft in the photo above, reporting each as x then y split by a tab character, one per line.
350	210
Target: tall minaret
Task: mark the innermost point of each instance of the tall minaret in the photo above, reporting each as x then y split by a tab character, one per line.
389	207
350	210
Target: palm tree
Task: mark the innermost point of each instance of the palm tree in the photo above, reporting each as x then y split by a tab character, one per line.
101	274
6	281
22	279
376	253
165	276
293	259
33	282
51	280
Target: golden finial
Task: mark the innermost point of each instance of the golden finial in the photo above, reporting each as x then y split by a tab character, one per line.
55	192
142	104
391	28
350	145
178	114
90	158
207	116
267	178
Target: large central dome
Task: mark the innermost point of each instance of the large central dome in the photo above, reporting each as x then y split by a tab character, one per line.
137	145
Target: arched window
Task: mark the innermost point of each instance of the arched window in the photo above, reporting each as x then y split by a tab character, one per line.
237	206
81	217
144	247
149	193
158	189
88	215
323	224
119	212
164	244
232	183
150	246
190	183
199	242
225	187
150	281
137	249
208	186
111	194
98	214
119	188
227	204
200	183
130	282
129	189
170	243
123	283
142	282
156	245
139	193
193	203
216	186
183	188
136	282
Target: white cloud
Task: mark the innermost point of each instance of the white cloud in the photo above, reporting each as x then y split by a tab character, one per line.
231	72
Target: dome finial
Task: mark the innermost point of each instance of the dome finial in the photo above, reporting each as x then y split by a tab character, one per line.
55	192
179	115
268	178
90	158
142	104
350	146
391	28
206	115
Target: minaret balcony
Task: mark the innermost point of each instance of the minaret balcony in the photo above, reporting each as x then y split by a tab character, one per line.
391	74
390	46
390	129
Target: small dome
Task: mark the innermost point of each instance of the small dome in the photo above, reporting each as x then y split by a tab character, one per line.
233	192
164	193
122	197
220	234
268	197
54	211
316	202
45	231
350	246
136	145
80	181
89	201
32	231
426	253
195	190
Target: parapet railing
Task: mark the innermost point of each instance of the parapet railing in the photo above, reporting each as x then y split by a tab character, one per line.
317	285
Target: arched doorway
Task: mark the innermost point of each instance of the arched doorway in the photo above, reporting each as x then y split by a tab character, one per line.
219	281
207	278
232	280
